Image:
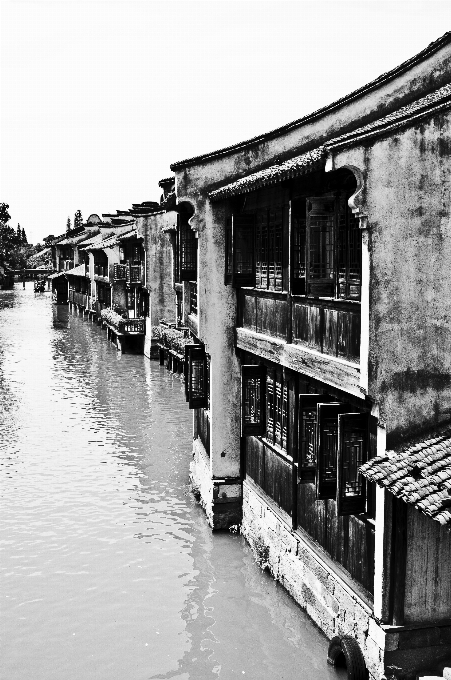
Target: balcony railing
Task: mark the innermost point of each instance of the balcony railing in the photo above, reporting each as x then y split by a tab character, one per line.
328	326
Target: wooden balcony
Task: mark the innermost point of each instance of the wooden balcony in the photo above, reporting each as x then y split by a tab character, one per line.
319	337
127	326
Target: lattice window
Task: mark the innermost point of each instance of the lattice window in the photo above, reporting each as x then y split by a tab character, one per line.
197	377
352	453
270	408
277	411
187	251
253	400
298	245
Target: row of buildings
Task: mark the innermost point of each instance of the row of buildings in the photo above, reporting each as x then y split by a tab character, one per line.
303	280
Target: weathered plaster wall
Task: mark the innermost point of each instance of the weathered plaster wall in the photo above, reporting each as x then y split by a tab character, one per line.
217	305
158	251
408	205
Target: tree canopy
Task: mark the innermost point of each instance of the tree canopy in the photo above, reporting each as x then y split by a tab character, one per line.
78	219
13	242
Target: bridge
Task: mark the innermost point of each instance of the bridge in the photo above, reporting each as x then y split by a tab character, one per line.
31	274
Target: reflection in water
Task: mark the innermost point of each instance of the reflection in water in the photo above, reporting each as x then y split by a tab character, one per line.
110	571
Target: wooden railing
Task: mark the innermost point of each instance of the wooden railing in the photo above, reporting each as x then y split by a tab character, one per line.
132	326
329	326
203	427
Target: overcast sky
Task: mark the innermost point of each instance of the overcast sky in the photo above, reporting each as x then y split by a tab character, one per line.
98	98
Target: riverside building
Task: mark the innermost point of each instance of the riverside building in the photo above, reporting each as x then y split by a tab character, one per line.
311	266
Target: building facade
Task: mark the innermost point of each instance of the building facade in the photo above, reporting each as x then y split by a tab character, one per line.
311	266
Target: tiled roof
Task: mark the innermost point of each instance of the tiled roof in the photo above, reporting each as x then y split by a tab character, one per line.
276	173
421	106
73	240
419	474
312	159
76	271
56	275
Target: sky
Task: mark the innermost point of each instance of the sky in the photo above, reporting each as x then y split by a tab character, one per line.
98	98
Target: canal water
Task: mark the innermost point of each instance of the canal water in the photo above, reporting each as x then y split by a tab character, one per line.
108	568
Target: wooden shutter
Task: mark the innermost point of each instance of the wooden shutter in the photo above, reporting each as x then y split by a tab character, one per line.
243	269
253	407
187	251
327	447
308	436
320	246
228	252
352	453
197	378
185	368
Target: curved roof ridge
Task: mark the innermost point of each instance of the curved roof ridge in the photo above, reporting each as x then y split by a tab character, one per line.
384	77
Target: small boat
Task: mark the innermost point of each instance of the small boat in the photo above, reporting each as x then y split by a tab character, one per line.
39	286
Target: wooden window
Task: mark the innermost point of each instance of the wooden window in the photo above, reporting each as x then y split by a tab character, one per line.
240	270
197	378
327	433
299	240
253	400
349	253
269	248
333	249
137	254
130	298
187	250
352	453
320	246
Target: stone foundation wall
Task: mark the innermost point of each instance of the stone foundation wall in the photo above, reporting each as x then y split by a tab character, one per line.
325	597
332	600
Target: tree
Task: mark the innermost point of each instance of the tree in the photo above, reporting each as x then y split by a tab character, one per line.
68	224
24	237
19	233
48	239
78	219
4	214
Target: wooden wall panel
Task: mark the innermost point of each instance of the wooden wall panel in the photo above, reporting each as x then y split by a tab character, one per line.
428	569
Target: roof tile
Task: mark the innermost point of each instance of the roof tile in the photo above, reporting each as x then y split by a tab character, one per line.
419	474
